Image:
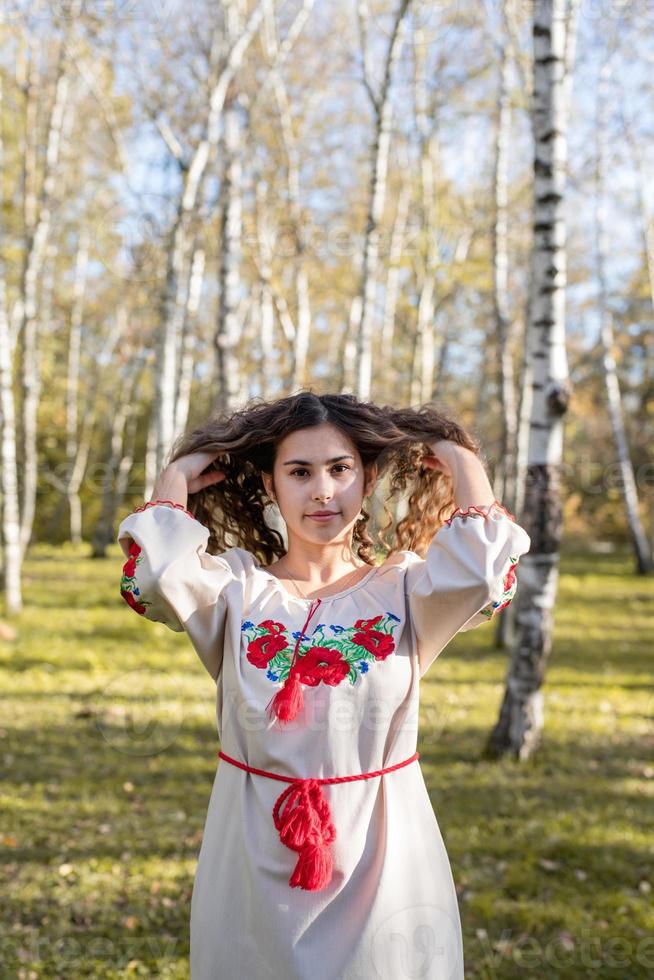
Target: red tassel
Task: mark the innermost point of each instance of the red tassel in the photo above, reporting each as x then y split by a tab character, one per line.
309	830
289	699
313	870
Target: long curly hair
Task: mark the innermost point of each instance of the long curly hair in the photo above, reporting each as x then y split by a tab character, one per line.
395	439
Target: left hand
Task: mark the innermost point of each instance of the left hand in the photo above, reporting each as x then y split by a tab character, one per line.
442	456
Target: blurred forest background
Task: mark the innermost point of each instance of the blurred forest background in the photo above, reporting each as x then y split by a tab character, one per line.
206	202
414	201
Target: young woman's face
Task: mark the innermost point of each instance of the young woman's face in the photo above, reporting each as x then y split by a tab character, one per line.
319	469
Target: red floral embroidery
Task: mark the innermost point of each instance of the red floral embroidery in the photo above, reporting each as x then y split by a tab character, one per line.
510	585
262	649
321	664
379	644
510	577
346	653
129	589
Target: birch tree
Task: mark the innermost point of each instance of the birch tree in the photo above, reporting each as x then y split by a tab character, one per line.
382	119
120	455
505	480
421	386
223	66
38	206
297	330
231	385
73	457
607	340
395	254
9	470
518	728
188	340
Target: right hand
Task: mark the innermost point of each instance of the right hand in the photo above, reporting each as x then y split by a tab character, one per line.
192	466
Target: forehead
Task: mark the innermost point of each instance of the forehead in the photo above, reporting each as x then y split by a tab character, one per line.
316	444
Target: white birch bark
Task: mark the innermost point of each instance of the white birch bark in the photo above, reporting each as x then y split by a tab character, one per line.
176	284
607	338
505	477
382	109
12	558
11	554
72	383
421	387
392	292
150	460
188	341
38	213
505	474
228	334
520	722
301	328
266	311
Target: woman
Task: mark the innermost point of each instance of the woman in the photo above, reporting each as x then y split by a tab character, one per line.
321	856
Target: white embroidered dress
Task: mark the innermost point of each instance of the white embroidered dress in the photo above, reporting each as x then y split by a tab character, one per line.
390	907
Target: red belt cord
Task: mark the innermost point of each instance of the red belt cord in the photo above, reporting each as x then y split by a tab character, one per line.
308	828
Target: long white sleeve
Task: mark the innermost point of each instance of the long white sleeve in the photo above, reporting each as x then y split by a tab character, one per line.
467	576
170	578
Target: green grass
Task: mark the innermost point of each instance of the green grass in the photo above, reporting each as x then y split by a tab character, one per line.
108	745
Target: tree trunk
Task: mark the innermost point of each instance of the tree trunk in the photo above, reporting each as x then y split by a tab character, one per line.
10	507
72	378
175	294
39	211
120	458
607	340
505	480
266	312
518	729
392	291
383	111
230	383
187	349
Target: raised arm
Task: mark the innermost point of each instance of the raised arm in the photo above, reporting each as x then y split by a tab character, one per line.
169	577
468	574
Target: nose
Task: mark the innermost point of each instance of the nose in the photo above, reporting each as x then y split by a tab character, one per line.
322	492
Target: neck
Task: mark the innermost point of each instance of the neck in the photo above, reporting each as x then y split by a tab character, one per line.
319	564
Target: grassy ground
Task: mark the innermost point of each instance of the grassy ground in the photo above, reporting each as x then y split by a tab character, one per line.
108	745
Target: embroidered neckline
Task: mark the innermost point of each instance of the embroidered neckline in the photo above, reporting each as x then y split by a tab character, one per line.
334	595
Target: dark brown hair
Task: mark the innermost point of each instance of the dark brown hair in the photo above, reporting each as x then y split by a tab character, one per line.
247	440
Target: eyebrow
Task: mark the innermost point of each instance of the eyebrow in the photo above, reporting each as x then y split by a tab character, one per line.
306	462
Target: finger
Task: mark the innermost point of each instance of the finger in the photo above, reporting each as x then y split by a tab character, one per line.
215	477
